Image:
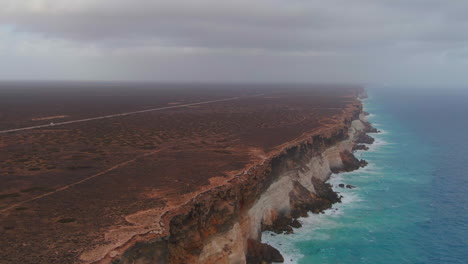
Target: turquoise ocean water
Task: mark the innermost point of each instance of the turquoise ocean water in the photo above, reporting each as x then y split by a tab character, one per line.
411	201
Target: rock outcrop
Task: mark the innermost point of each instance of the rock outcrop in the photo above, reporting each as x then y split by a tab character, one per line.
360	147
259	253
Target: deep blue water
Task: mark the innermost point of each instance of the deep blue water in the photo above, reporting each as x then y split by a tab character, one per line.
411	202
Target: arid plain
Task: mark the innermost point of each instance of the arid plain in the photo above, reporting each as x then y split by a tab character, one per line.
71	191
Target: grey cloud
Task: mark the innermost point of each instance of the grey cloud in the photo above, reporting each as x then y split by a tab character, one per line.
339	40
281	25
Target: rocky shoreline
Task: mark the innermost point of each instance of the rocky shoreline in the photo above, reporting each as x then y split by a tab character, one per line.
224	224
324	198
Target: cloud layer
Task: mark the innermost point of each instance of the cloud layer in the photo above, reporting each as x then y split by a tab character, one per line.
394	41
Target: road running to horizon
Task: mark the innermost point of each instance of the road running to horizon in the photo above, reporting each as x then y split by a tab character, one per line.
122	114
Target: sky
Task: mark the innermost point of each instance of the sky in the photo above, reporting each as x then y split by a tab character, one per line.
386	42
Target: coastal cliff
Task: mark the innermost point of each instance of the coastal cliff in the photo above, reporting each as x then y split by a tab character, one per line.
224	224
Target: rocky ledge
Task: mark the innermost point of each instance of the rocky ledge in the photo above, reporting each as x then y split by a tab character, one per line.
224	224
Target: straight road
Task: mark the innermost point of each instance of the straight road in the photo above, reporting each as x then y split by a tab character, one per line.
121	114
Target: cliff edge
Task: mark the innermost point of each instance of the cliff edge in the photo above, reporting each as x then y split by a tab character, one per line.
224	224
195	178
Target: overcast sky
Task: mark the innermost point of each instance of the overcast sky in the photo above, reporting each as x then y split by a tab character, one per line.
408	42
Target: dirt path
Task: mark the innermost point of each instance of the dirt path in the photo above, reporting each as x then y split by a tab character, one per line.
80	181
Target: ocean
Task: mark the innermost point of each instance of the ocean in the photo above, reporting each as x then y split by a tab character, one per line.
411	201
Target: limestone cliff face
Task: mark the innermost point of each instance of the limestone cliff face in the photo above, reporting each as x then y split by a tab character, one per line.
224	224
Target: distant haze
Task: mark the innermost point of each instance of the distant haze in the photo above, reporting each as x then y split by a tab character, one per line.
394	42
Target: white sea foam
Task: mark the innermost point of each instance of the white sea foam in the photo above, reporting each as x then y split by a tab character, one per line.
285	244
370	169
327	220
381	131
377	144
313	223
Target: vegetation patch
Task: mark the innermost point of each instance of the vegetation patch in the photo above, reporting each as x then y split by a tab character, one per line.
66	220
9	195
37	189
222	151
53	149
149	147
73	167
